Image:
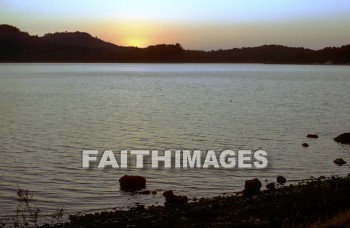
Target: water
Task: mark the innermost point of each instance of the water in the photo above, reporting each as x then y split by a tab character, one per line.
49	113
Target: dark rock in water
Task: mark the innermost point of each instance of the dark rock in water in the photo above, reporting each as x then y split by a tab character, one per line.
343	138
305	145
339	161
270	186
281	180
170	198
313	136
132	183
154	192
168	193
252	187
146	192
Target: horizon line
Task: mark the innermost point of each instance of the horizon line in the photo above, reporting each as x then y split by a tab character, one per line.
242	47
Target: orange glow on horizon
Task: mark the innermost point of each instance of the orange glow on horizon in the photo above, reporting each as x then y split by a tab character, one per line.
134	42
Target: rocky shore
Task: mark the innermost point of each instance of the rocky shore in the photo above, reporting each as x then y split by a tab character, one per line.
301	204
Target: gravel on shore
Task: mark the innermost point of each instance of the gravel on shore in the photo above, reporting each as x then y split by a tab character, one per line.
300	204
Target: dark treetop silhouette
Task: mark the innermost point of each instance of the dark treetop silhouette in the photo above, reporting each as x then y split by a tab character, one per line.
18	46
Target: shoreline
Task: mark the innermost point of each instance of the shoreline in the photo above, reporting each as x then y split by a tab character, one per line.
304	203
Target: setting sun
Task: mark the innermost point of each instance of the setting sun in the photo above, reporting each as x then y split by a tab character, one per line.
135	42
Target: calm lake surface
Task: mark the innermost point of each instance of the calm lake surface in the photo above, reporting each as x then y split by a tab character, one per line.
49	113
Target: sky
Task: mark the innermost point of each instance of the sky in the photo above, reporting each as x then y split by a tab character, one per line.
196	24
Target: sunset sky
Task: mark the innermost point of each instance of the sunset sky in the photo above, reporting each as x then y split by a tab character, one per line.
196	24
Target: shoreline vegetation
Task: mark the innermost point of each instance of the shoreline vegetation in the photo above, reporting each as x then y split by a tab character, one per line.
315	202
309	202
17	46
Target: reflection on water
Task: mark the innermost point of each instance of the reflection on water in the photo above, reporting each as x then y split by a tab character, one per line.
49	113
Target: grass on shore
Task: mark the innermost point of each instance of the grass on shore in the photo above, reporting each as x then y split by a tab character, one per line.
341	219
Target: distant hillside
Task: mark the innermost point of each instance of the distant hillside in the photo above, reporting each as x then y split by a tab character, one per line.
18	46
78	39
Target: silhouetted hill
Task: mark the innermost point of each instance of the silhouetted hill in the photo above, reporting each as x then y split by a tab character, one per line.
79	39
18	46
14	42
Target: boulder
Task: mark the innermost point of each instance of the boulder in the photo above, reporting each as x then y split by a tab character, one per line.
146	192
170	198
305	145
252	187
343	138
168	193
339	161
132	183
313	136
270	186
281	180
